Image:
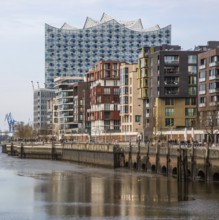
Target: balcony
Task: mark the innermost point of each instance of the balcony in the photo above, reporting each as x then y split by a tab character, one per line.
171	92
171	83
213	77
202	105
216	63
202	66
171	62
202	79
202	92
213	103
213	90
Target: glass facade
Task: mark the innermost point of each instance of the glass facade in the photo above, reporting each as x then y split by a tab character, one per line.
72	52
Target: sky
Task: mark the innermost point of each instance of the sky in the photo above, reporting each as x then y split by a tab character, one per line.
22	36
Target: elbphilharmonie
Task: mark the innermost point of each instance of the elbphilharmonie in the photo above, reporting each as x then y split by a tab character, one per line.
70	51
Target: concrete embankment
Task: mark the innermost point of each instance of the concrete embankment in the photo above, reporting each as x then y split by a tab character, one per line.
106	155
184	162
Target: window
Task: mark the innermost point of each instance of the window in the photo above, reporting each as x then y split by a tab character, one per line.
193	101
107	125
137	118
202	100
99	99
169	101
142	62
171	91
213	73
202	62
116	91
107	66
192	69
192	90
202	76
130	118
143	73
123	109
171	70
169	111
106	99
192	80
192	59
116	99
169	122
107	107
214	85
107	91
115	66
171	59
189	122
124	100
124	90
190	111
202	88
171	80
116	124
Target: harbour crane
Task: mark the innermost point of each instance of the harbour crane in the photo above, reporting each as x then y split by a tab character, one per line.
11	121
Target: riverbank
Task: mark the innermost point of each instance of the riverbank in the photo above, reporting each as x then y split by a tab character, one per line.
170	160
59	190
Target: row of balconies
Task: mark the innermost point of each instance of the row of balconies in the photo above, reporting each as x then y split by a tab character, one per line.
203	79
173	83
102	107
115	115
172	62
203	66
203	92
210	104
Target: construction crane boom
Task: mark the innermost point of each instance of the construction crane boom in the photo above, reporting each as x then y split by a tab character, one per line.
11	121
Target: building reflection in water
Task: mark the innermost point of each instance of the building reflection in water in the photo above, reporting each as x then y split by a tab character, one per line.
110	194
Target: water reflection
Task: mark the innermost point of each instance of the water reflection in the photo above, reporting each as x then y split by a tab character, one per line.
44	189
112	194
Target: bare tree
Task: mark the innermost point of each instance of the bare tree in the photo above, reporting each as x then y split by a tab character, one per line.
209	123
24	131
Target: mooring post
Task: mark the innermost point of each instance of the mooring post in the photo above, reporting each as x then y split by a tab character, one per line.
207	163
193	162
185	165
139	155
130	154
22	151
157	156
168	158
147	157
12	149
179	167
53	151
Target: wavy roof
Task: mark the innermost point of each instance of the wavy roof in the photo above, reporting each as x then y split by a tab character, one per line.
135	25
66	26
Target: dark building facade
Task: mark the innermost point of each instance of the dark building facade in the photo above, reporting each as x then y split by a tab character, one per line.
168	85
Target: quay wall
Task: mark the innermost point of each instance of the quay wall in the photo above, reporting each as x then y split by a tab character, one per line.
191	162
97	154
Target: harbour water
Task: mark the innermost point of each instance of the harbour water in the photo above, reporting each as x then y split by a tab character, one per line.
46	189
